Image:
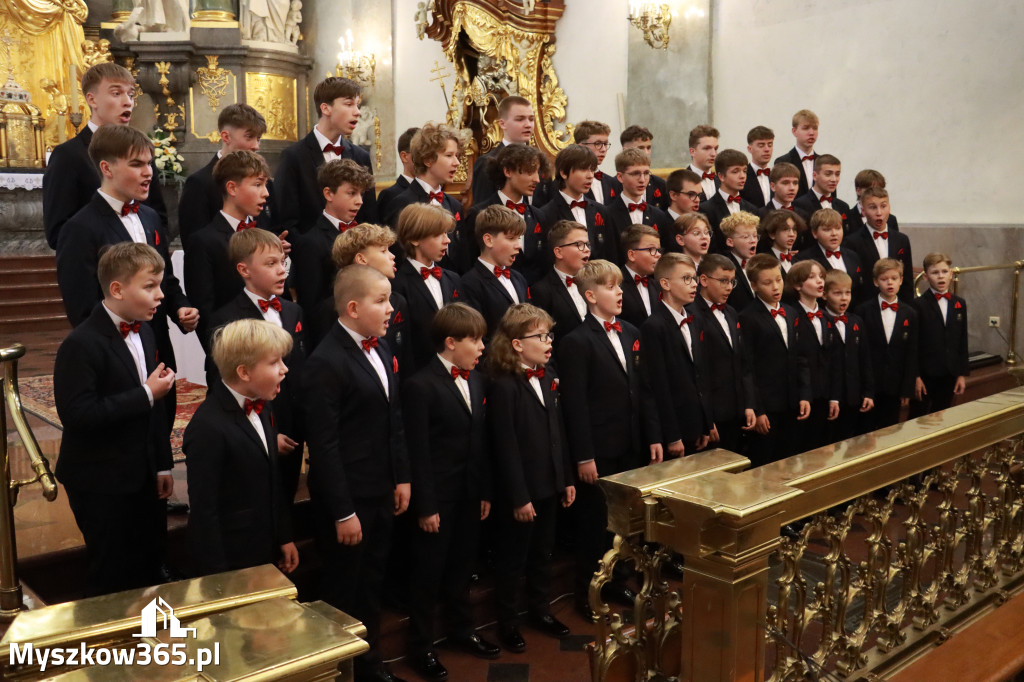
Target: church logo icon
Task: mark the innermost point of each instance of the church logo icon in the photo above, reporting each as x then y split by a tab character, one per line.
159	610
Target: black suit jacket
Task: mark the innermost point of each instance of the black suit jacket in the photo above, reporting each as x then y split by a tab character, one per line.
355	431
415	194
389	193
673	377
528	443
201	201
895	362
482	186
857	378
633	309
729	381
482	290
863	242
854	268
824	364
313	269
742	294
610	188
301	197
551	295
532	259
752	189
421	309
604	418
793	156
238	516
781	378
604	240
618	213
210	278
70	181
943	343
93	227
287	406
716	209
448	454
113	441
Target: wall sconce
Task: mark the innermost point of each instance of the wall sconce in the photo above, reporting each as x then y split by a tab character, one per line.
653	20
356	65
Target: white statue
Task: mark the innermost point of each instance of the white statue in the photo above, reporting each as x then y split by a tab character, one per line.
157	16
421	20
292	29
264	20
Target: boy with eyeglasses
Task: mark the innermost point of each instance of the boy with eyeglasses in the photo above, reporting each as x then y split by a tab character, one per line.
594	136
557	292
641	247
683	192
639	137
633	170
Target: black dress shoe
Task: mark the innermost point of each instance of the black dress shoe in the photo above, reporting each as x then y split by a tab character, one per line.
476	646
549	625
512	640
428	667
619	593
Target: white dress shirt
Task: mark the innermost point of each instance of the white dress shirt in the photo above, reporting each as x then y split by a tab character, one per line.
684	328
613	338
888	318
504	281
943	305
131	222
808	164
430	190
780	321
645	291
636	217
816	321
881	245
777	206
763	181
720	316
373	355
234	222
835	261
134	343
433	283
579	214
673	215
253	417
821	200
707	185
840	325
574	294
271	315
786	265
460	383
597	187
535	385
731	205
322	140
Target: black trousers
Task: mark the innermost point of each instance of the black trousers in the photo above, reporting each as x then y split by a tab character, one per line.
123	537
778	443
940	396
353	575
851	422
729	435
885	413
810	432
525	549
442	564
289	468
590	527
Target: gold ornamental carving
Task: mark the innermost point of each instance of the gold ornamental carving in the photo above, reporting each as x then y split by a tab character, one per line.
213	81
175	111
274	96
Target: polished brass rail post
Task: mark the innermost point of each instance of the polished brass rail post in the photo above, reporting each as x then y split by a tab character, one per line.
10	587
1011	354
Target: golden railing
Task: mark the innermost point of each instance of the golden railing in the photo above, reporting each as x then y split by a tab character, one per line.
909	533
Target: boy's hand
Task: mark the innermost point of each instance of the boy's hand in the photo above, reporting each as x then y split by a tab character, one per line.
485	509
285	445
713	436
751	418
762	425
430	524
350	531
833	410
289	558
676	449
285	244
960	386
524	514
587	471
189	318
164	486
702	442
805	410
402	493
867	405
569	496
919	390
657	453
904	402
160	381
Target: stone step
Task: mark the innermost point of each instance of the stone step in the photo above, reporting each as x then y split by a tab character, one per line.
29	261
35	323
20	309
29	292
28	275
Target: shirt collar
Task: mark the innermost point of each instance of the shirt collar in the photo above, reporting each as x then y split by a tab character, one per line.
256	298
768	305
322	140
93	126
408	178
601	320
832	312
673	215
232	221
114	317
356	336
808	310
698	171
568	199
676	315
881	299
427	188
447	365
115	204
239	398
725	195
632	273
334	221
777	205
627	201
562	275
417	266
825	251
777	252
757	167
503	198
817	194
487	264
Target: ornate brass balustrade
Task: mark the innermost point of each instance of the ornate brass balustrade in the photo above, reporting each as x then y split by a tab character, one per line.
914	531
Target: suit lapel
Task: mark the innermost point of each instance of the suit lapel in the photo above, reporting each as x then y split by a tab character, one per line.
117	343
111	220
606	343
236	415
562	292
771	321
451	387
493	282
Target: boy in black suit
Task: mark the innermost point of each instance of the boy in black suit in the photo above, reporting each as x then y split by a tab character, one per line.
491	285
641	246
556	292
238	517
594	136
703	147
816	343
779	230
404	178
827	249
822	194
633	171
436	150
731	168
210	277
444	406
781	382
784	182
427	287
515	169
343	182
115	456
608	430
533	470
728	379
71	178
864	179
516	120
757	189
684	190
358	466
258	258
302	200
892	335
672	340
639	137
574	174
873	241
802	156
740	232
943	350
241	128
857	386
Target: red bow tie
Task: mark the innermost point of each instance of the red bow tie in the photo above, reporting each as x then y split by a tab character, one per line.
582	203
502	272
436	196
608	326
642	206
894	306
786	208
946	296
786	257
764	171
780	311
369	343
336	148
832	254
518	208
246	224
733	199
743	264
427	272
840	318
535	373
598	175
128	327
274	303
686	320
815	314
129	207
812	157
640	280
456	373
825	198
718	306
569	281
342	225
883	235
708	176
254	406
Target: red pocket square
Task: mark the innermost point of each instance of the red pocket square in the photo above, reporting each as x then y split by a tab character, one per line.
598	220
554	384
611	193
394	364
657	193
855	327
536	229
906	323
398	317
957	305
458	216
636	345
156	237
298	326
455	293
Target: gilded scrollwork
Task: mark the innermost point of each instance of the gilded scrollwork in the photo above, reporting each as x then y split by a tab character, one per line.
213	81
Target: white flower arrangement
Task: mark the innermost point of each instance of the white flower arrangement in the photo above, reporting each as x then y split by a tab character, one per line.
166	158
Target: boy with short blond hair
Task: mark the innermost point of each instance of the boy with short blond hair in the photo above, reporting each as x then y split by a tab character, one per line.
594	136
703	147
943	359
491	285
238	517
731	168
436	151
684	193
828	251
639	137
641	246
740	233
857	382
633	171
757	189
873	240
557	292
802	155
